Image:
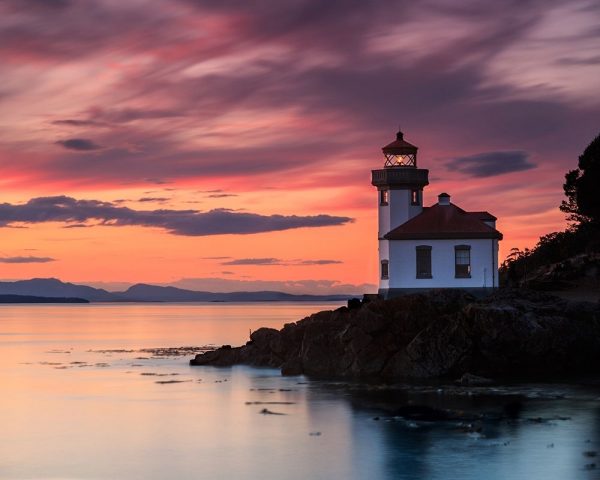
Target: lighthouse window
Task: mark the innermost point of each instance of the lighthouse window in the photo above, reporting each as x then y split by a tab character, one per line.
385	272
414	197
384	197
423	261
462	261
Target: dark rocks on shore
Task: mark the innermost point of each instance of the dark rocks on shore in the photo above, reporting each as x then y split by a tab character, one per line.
440	334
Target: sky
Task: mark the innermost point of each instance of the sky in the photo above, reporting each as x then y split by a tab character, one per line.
226	144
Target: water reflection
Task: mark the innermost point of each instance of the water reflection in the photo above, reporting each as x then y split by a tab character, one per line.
547	438
80	401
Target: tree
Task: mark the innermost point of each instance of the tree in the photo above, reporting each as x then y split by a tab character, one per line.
581	186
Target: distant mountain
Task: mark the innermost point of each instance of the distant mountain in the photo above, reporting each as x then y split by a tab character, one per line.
32	299
153	293
52	287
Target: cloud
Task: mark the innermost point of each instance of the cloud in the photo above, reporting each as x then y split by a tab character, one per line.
80	144
489	164
42	4
289	68
157	181
298	95
77	225
103	117
221	195
28	259
153	199
71	122
278	261
178	222
573	61
253	261
125	115
320	262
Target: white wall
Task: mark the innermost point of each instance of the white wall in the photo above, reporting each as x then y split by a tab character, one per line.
402	264
398	211
383	255
384	217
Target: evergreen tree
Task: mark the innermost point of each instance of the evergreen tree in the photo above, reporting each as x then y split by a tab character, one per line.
581	186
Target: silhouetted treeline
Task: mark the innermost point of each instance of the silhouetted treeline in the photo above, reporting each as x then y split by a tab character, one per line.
551	248
582	237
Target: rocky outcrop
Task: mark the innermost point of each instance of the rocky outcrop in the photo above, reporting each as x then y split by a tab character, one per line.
438	334
576	277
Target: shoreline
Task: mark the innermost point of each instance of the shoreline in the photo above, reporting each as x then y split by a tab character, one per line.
436	335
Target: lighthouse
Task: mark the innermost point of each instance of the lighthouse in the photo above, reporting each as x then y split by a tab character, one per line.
421	248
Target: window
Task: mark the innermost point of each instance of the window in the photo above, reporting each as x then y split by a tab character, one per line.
462	261
423	261
384	197
415	197
385	269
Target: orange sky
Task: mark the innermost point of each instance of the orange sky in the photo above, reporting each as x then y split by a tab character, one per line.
236	119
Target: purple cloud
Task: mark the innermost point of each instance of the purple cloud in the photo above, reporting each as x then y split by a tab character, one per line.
489	164
278	261
71	122
178	222
28	259
320	262
345	70
253	261
153	199
81	144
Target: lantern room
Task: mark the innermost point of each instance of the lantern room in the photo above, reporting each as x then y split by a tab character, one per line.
400	153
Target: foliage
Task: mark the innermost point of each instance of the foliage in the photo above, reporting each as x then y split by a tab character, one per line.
581	186
583	206
551	248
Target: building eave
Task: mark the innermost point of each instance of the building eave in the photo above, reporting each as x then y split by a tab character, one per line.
443	236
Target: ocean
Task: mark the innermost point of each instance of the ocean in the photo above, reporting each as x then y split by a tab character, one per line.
105	391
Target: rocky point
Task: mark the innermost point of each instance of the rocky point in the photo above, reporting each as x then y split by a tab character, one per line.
445	333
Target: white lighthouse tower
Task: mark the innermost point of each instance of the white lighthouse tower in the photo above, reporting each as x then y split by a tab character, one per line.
420	248
400	187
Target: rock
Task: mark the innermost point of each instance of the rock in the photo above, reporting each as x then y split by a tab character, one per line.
422	413
291	367
470	380
439	334
354	303
265	411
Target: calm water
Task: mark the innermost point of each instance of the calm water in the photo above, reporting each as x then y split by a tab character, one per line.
81	401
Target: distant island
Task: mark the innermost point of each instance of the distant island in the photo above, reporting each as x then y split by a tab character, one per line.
56	289
36	299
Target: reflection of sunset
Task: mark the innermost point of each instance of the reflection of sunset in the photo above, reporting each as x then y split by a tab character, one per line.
81	400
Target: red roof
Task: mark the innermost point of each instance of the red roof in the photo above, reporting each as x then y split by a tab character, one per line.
445	221
484	216
400	146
